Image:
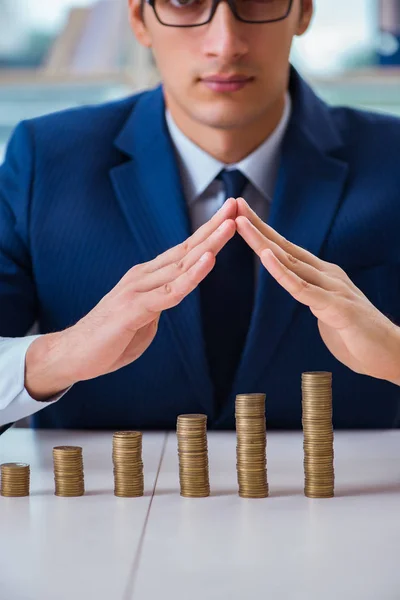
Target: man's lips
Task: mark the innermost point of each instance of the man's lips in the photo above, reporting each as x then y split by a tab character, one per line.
232	83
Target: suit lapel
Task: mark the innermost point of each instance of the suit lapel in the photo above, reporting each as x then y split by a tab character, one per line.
307	196
150	194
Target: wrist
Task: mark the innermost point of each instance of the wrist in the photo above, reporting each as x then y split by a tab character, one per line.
395	344
47	372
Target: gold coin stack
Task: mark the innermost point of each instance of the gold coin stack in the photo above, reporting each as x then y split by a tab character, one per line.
15	479
128	464
251	445
193	456
68	471
318	434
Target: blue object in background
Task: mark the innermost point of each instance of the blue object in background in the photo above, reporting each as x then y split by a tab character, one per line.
390	50
389	21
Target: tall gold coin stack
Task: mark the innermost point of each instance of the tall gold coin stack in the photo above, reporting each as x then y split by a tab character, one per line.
128	464
318	434
68	471
15	479
193	456
251	445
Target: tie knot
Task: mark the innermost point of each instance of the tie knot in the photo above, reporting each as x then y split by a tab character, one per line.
234	182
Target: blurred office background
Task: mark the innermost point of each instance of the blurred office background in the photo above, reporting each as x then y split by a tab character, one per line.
60	53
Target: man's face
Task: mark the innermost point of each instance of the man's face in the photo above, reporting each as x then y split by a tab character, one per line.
188	59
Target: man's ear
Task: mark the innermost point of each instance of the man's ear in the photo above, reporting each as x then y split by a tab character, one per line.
307	9
136	18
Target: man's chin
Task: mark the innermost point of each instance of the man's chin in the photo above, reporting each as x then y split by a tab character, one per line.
221	117
223	124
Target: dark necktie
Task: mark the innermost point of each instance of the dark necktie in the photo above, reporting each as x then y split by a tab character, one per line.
227	296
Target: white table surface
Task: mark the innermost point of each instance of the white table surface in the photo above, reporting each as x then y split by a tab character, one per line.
284	547
71	548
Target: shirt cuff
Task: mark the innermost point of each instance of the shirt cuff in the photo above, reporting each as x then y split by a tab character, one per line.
15	401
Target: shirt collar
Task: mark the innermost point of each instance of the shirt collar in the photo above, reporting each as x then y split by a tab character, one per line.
199	169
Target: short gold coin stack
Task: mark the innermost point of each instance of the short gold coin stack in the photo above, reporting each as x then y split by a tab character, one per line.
318	434
68	471
15	479
193	456
128	464
251	445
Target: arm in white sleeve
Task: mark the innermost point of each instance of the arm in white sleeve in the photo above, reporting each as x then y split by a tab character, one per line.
15	401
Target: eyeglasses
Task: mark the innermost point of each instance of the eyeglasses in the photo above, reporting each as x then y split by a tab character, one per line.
193	13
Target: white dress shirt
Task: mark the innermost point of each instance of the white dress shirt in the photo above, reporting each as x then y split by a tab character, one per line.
204	195
15	402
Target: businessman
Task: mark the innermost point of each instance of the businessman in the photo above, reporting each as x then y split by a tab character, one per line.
219	234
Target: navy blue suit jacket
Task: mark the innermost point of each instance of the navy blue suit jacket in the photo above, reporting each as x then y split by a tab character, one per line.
90	192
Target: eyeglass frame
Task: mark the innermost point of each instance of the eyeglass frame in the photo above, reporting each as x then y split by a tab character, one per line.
214	7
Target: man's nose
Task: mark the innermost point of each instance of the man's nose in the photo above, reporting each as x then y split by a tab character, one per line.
224	34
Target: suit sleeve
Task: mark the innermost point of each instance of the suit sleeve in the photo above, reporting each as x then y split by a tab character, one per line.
18	301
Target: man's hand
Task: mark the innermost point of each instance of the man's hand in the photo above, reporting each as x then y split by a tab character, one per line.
124	323
356	333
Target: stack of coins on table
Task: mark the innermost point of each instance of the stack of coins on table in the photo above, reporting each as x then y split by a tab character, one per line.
318	434
68	471
128	464
193	456
15	479
251	445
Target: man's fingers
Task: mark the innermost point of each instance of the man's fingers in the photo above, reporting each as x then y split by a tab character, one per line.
332	309
331	270
228	211
252	235
214	243
171	294
313	296
244	210
258	242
